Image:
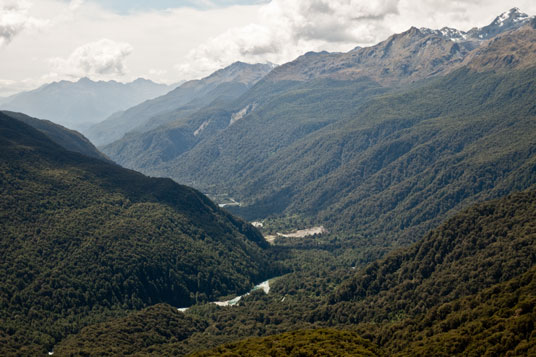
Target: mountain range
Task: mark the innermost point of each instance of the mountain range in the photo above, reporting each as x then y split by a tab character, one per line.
78	105
220	87
512	19
327	136
414	160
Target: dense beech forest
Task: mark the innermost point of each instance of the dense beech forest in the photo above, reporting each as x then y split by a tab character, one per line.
466	289
83	240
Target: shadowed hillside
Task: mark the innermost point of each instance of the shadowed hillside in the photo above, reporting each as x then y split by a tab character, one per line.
82	240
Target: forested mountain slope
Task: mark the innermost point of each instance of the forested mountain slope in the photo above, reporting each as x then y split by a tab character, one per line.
223	85
466	289
391	167
269	117
306	343
140	333
408	160
487	244
387	163
83	240
68	139
499	321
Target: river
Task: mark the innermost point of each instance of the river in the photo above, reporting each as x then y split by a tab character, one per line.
265	286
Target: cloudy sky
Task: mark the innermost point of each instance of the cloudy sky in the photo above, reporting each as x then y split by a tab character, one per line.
171	40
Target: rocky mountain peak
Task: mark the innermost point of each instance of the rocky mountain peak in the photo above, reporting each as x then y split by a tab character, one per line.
514	15
512	49
408	56
508	20
448	33
241	72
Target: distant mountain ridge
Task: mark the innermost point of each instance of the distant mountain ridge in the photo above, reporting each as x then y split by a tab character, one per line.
406	57
509	20
398	61
512	50
225	84
77	105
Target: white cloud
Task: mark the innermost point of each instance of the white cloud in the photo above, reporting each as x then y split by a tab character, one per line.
14	19
75	4
156	72
185	43
290	28
101	59
329	20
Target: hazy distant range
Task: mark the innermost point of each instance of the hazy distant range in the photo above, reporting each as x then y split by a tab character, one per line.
78	105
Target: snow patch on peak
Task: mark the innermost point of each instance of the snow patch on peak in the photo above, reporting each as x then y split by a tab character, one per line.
448	33
514	14
453	34
511	19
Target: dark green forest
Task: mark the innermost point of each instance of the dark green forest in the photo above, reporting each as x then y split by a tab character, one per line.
68	139
466	289
83	240
306	343
499	321
378	168
139	333
397	166
484	245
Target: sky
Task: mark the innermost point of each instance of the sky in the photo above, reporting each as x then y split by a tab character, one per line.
172	40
